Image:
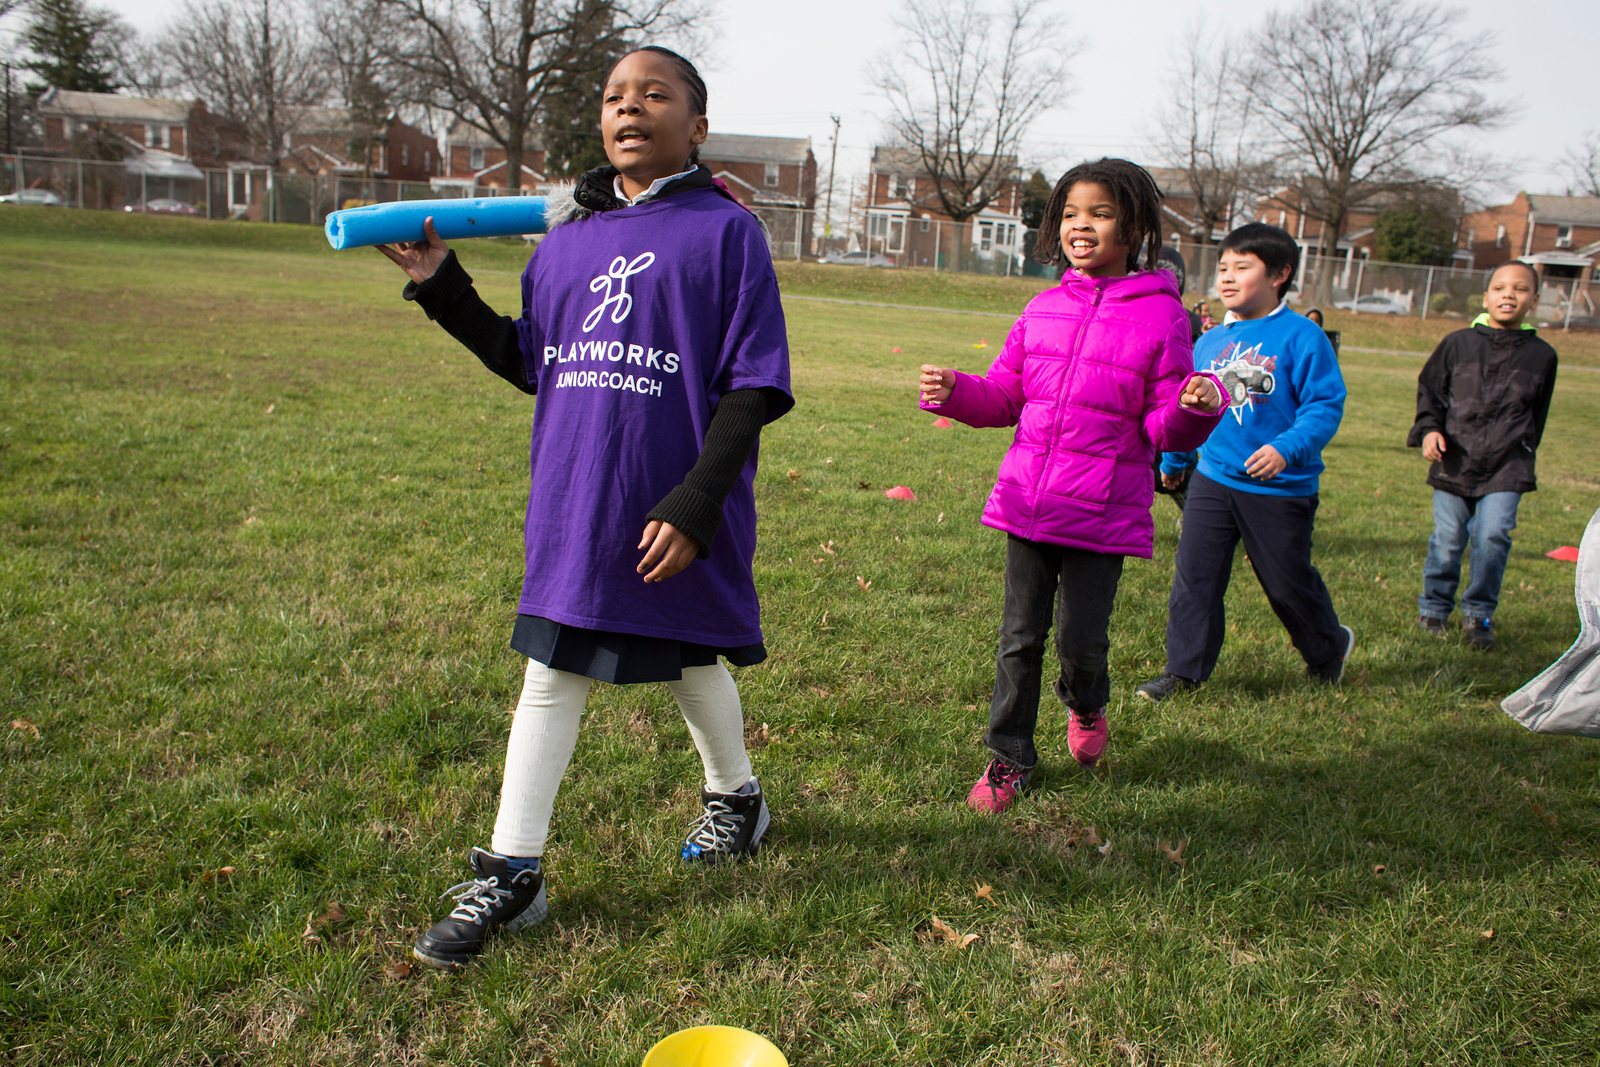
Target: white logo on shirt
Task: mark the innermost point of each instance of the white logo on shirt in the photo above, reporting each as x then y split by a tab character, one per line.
621	270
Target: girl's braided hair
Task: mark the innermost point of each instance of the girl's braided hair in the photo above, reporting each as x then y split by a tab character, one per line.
1138	201
691	80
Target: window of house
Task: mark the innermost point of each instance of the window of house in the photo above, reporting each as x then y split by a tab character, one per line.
1500	236
924	224
1563	236
1472	236
894	185
157	137
897	235
911	188
427	162
477	159
405	155
986	237
772	176
877	225
241	188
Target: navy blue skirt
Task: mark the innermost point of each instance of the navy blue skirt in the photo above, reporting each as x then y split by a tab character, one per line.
622	659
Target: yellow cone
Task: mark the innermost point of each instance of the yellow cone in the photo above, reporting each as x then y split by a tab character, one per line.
714	1046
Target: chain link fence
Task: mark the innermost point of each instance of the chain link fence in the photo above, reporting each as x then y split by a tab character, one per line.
1367	286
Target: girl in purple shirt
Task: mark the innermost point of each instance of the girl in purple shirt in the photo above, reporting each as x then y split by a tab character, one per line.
652	334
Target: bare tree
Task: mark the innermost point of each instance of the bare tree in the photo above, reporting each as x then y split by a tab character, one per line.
491	63
1581	166
1202	129
252	65
963	83
1359	97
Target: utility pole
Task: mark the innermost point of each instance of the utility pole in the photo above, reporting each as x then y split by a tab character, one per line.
827	213
10	145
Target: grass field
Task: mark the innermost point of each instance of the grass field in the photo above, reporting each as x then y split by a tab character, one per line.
259	556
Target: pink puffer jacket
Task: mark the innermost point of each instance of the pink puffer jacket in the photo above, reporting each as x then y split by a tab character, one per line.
1090	377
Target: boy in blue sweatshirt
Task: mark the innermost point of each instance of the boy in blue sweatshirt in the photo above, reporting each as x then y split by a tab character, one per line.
1257	478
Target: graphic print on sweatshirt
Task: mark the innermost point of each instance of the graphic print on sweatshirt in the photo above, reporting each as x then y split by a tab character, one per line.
1247	375
614	295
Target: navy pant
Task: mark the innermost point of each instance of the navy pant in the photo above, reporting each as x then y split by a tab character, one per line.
1487	521
1276	531
1079	588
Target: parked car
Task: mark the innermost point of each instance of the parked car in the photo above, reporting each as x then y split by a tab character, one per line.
1577	322
1372	305
163	207
36	197
857	259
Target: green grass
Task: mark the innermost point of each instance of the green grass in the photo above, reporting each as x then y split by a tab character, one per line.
259	554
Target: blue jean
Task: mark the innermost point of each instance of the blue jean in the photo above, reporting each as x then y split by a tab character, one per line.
1487	521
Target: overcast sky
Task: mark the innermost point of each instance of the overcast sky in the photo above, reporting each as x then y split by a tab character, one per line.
784	68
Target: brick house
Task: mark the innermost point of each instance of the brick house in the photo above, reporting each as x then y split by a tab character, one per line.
1180	209
328	141
142	122
774	176
906	221
1559	235
474	160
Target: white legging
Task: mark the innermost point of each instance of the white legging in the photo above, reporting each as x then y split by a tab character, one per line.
545	731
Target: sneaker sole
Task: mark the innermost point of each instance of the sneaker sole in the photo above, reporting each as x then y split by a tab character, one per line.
537	911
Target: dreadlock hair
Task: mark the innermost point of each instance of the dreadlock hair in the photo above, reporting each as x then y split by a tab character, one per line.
1138	201
691	81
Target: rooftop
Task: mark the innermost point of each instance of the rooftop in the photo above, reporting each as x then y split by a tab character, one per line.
1584	210
111	107
749	148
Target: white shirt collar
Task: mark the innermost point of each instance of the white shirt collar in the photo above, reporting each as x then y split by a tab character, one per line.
655	186
1230	318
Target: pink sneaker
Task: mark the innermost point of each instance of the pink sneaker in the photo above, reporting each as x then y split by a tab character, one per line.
1087	735
997	788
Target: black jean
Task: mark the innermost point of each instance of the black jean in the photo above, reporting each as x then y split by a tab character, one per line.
1276	531
1079	587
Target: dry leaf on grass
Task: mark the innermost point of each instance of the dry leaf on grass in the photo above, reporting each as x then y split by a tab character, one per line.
985	892
1379	869
1084	836
26	724
221	874
547	1060
1488	935
865	585
940	519
828	548
315	924
398	971
271	408
757	736
794	474
944	932
1174	853
1105	849
863	485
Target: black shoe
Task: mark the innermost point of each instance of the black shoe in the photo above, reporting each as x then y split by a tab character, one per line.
1480	633
1431	624
732	826
1158	689
1333	673
492	901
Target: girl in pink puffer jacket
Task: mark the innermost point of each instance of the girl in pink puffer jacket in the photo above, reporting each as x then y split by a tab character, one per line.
1097	376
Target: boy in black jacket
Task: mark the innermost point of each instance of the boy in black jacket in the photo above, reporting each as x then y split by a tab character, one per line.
1482	399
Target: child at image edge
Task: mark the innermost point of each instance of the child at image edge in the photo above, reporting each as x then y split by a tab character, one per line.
1096	376
652	334
1482	399
1258	474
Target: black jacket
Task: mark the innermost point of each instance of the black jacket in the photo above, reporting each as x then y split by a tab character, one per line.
1488	391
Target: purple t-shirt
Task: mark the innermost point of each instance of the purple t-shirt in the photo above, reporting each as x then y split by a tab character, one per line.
635	321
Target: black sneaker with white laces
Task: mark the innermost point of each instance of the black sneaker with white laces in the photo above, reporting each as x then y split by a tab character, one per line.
496	900
732	826
1158	689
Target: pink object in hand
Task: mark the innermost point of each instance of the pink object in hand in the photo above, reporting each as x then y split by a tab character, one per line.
1566	553
900	492
942	423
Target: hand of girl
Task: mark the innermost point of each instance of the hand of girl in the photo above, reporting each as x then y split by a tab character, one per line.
1433	446
1201	393
1265	463
419	259
671	550
937	384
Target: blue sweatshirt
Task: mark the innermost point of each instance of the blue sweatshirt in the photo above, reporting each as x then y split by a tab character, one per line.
1285	390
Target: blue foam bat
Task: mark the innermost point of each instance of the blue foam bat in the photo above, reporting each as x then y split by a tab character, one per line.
382	224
